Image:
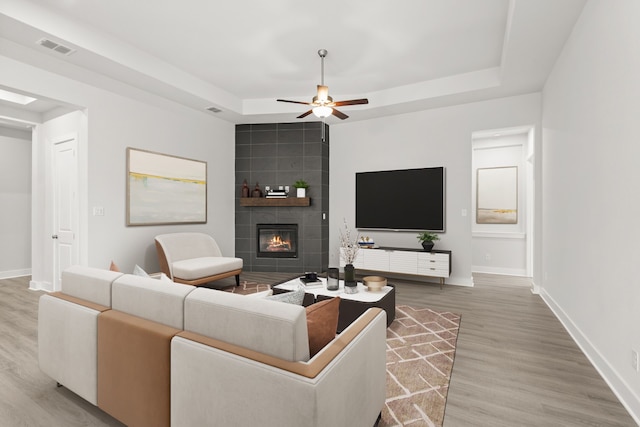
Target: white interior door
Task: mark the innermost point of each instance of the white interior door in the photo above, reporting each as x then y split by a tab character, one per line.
65	202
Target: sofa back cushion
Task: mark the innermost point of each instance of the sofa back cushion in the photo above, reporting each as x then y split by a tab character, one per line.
151	299
270	327
88	283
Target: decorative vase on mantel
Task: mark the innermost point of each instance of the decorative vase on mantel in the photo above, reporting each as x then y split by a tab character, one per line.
350	284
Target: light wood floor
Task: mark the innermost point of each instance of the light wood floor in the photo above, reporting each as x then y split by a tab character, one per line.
515	364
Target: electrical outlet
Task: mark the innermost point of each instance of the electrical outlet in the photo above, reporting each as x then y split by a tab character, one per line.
635	363
487	257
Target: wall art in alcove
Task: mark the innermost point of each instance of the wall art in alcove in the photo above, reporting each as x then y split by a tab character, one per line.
497	195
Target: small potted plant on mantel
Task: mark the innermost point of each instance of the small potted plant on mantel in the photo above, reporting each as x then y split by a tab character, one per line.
301	188
427	239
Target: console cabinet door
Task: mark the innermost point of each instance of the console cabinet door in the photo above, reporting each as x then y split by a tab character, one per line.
403	262
433	264
375	259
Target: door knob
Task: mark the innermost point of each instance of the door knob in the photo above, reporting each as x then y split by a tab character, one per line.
55	236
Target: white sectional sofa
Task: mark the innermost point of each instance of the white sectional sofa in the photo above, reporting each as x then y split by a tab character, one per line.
156	354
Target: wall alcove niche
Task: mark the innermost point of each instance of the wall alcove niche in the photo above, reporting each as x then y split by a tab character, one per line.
502	202
279	154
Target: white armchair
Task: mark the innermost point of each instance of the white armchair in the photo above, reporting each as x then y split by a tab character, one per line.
194	259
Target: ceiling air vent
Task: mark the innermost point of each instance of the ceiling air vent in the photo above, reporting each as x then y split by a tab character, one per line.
49	44
214	109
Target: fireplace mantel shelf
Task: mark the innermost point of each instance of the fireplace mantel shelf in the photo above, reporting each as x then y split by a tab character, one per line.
262	201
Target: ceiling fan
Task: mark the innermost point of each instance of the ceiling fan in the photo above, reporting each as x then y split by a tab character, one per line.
323	105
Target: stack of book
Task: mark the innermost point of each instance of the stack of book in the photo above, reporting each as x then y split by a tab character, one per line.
310	283
276	194
366	242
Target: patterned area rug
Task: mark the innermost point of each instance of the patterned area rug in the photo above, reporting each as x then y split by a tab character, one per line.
421	345
248	288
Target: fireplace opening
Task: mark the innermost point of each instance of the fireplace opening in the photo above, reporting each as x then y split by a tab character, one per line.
277	240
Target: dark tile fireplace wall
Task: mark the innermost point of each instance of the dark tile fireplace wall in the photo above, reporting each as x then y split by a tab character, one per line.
280	154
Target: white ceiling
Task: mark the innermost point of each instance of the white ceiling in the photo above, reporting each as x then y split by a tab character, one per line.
240	56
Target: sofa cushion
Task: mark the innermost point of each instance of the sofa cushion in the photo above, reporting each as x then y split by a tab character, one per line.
67	344
145	297
196	268
322	323
262	294
88	283
134	369
278	330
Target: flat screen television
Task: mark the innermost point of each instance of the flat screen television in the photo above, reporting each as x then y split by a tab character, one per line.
407	199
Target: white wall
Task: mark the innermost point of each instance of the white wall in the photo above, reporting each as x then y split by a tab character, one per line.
15	204
115	122
437	137
591	205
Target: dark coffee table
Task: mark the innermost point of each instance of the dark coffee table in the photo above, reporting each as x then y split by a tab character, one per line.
351	305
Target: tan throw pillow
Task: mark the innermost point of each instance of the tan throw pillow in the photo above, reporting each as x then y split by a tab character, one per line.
322	323
114	267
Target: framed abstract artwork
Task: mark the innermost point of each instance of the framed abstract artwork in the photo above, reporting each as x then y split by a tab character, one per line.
497	195
165	189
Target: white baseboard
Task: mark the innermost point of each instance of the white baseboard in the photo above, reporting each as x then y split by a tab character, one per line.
535	288
499	270
618	385
460	281
15	273
40	286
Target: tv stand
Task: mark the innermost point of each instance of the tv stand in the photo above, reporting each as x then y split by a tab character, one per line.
417	262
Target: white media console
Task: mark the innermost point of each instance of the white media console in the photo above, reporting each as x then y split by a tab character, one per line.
417	262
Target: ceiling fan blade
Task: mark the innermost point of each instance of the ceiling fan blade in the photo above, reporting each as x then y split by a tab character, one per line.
351	102
303	115
323	93
293	102
339	114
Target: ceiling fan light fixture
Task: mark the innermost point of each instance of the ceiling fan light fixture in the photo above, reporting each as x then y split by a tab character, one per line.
322	104
322	111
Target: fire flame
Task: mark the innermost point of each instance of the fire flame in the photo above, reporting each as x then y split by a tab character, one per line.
277	243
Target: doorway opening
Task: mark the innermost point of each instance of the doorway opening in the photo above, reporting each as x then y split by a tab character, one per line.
503	201
49	122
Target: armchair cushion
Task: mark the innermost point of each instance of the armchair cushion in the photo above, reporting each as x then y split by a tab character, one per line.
194	259
195	268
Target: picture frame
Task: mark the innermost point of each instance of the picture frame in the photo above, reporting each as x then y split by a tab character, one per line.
497	195
165	189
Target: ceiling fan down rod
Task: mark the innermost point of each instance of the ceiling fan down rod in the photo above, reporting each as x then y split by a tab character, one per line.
322	53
